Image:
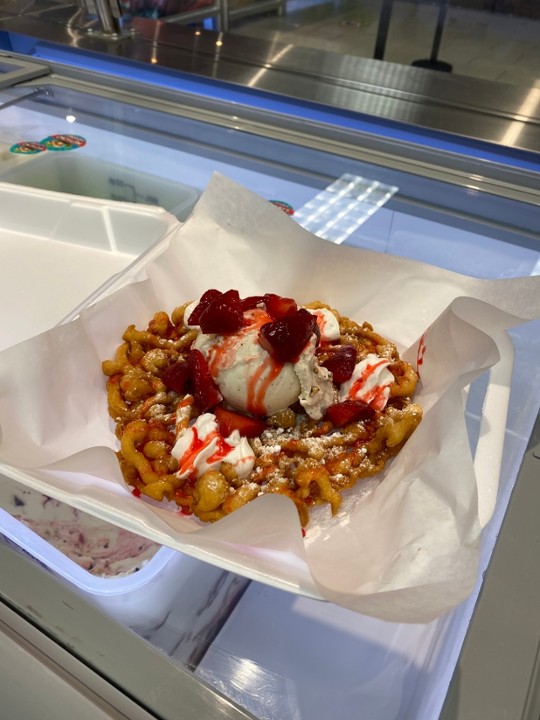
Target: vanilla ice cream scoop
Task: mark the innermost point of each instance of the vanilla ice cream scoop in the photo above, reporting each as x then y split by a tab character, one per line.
248	377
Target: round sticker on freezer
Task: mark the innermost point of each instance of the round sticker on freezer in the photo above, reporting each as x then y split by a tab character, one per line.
27	148
287	209
63	142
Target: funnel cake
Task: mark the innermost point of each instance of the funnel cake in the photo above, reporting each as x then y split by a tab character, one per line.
229	398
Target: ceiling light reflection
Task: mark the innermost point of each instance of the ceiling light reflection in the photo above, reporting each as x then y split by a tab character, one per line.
268	65
249	679
528	109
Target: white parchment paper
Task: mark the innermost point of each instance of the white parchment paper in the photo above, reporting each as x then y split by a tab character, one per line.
403	548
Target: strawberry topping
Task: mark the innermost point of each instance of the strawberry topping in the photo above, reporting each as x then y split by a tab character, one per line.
176	376
252	301
278	307
343	413
218	312
203	303
229	421
223	315
341	363
286	338
205	391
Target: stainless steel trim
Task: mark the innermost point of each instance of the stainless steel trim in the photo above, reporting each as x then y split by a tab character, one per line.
96	641
22	70
21	98
72	673
498	672
12	8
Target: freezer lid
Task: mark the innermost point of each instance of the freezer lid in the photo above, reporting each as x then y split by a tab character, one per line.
309	150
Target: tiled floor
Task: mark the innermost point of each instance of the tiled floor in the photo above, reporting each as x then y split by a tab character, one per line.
483	44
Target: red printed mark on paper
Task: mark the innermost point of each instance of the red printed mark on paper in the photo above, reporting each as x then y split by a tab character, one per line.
421	352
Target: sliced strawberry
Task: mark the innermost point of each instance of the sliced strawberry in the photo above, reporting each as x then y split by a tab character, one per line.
204	302
223	315
176	376
204	389
286	338
348	411
341	363
246	426
278	307
251	302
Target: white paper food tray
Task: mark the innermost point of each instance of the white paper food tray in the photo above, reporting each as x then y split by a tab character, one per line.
55	249
430	650
123	598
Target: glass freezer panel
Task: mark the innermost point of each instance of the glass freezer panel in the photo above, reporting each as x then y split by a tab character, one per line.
276	654
278	157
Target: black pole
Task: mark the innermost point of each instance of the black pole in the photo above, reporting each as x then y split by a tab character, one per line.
434	63
382	30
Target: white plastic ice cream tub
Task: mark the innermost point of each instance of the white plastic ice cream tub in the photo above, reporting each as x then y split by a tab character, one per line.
164	594
56	249
139	599
81	174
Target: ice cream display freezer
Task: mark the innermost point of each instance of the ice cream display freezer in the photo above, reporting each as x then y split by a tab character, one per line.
102	158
